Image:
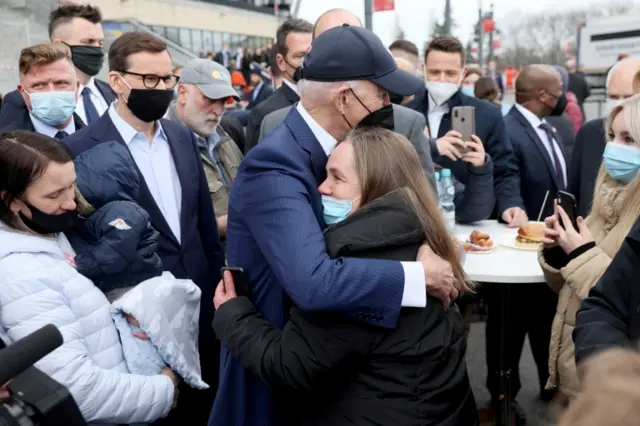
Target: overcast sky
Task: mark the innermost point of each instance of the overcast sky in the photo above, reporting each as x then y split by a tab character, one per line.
415	16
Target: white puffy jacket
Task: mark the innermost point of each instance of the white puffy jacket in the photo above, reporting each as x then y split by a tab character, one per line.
38	287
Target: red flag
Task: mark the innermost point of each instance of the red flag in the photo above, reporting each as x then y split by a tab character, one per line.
383	5
488	25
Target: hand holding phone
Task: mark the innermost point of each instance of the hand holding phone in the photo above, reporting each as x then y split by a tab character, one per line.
572	231
463	121
475	156
240	280
569	204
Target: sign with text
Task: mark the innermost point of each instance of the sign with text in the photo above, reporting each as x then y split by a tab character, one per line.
602	41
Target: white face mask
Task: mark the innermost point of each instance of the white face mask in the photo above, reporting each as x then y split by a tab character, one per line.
609	105
440	91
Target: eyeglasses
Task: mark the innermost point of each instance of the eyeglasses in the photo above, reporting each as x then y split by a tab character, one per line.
151	81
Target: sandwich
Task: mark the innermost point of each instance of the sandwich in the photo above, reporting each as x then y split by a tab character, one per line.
530	235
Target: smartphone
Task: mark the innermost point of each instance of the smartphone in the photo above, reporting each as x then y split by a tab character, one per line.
240	280
463	121
569	204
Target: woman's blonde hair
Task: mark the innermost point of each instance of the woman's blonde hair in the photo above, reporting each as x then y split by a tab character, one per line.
630	211
385	162
610	391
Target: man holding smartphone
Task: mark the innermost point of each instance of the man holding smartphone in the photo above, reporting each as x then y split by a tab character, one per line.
444	70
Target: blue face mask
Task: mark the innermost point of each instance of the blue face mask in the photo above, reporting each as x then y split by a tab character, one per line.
622	162
335	210
52	108
467	91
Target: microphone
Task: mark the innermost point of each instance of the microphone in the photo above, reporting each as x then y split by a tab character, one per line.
16	358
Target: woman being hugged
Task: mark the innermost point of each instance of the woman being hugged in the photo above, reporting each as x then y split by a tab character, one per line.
337	370
40	285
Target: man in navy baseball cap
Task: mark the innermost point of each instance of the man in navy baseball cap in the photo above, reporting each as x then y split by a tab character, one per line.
355	53
276	209
356	102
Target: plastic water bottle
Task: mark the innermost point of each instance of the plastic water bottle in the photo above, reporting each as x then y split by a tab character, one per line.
446	194
438	186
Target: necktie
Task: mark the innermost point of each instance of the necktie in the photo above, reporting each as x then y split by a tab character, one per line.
61	135
556	161
89	109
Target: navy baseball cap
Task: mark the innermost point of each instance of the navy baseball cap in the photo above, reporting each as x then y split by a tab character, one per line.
354	53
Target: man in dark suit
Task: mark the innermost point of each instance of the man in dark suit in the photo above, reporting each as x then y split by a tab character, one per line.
261	91
292	40
49	88
77	26
543	171
276	215
577	82
173	188
591	139
444	70
405	121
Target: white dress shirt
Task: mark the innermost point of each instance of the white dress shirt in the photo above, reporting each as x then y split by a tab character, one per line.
435	114
535	123
414	294
96	98
292	86
157	167
45	129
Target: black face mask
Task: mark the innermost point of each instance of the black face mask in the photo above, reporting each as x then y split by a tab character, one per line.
396	99
382	117
149	104
44	223
88	59
558	110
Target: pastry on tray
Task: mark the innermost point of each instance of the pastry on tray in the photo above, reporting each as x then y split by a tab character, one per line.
477	242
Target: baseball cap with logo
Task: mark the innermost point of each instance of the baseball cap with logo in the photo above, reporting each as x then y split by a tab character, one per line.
354	53
212	78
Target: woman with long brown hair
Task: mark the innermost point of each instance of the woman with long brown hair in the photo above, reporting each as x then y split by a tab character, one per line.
333	370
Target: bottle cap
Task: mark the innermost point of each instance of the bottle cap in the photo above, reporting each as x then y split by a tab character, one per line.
445	173
437	176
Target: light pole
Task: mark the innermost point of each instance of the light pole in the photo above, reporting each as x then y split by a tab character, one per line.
480	35
368	14
491	34
447	17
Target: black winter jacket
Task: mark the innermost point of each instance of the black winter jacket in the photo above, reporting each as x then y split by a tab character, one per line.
610	316
332	370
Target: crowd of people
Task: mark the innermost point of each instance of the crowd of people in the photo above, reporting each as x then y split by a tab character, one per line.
309	168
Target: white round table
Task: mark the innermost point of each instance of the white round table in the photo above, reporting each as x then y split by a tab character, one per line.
503	264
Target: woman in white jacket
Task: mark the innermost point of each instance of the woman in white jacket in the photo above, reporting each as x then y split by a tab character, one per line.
39	286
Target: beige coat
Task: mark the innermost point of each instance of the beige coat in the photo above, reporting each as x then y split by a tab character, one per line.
573	282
